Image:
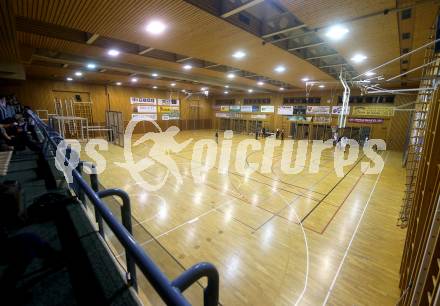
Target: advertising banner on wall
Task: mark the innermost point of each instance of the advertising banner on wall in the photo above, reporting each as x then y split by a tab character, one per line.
336	110
319	119
144	116
149	101
381	111
147	109
255	108
168	109
267	108
173	102
258	116
234	108
299	110
224	108
246	108
285	110
297	118
365	120
221	115
318	110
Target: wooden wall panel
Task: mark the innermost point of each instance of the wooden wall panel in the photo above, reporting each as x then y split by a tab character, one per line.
40	94
398	131
392	130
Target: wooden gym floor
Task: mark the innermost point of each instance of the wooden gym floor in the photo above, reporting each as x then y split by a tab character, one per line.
347	251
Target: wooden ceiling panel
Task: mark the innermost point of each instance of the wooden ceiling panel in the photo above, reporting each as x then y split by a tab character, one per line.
98	54
8	39
317	13
376	37
425	17
190	31
60	74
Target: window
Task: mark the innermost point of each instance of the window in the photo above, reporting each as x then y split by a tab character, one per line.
406	14
296	100
254	101
369	99
225	102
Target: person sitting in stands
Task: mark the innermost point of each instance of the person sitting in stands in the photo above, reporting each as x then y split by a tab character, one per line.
14	135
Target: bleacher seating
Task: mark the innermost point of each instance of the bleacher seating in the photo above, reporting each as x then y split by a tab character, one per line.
76	266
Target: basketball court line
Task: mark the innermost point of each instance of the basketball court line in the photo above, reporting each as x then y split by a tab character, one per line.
338	271
276	214
340	206
257	181
333	188
231	172
281	181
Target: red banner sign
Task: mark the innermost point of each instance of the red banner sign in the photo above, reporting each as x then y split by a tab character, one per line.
365	120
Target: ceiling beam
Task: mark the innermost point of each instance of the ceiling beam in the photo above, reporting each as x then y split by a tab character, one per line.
183	59
134	69
241	8
212	66
334	65
307	46
322	56
92	39
284	30
146	51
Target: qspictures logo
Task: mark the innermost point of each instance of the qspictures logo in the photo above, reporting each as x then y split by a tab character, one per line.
207	154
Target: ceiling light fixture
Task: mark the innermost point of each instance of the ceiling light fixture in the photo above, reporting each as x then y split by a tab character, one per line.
226	92
305	79
154	74
321	86
134	80
155	27
203	88
239	54
250	90
91	65
173	84
231	75
113	52
78	73
119	83
260	83
336	32
280	69
281	88
226	86
154	87
187	67
358	58
69	79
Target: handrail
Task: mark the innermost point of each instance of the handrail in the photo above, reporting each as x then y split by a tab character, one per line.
170	292
126	221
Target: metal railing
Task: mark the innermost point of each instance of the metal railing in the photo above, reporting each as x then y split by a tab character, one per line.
171	292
